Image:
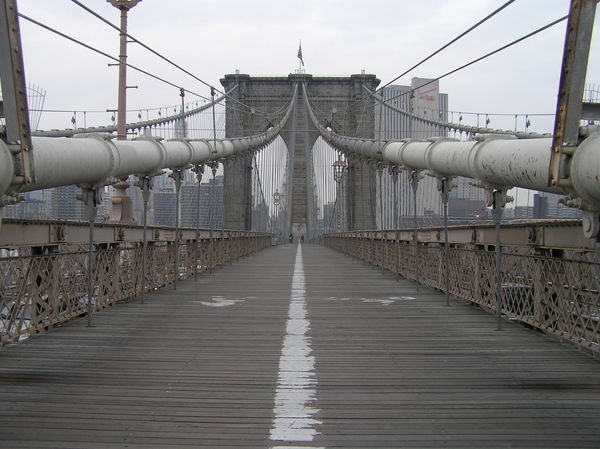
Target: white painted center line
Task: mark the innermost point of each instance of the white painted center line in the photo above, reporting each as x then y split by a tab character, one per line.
296	392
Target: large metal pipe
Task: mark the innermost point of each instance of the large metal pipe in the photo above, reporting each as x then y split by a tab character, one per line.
498	162
494	161
63	161
585	170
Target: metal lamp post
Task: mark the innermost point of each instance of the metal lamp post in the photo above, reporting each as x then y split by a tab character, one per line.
124	6
339	167
277	202
120	207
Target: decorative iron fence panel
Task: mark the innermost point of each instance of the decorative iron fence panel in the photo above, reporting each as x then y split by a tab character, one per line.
41	291
558	296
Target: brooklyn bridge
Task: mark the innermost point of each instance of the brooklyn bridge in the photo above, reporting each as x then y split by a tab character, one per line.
299	261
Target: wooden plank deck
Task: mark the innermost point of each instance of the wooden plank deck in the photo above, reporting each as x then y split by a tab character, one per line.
390	368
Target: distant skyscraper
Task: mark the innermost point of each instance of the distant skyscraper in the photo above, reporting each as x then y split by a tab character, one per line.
466	201
33	207
424	102
189	201
522	212
423	99
209	195
164	207
104	207
64	204
547	205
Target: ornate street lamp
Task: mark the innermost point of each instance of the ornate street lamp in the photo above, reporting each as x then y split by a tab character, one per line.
277	202
339	167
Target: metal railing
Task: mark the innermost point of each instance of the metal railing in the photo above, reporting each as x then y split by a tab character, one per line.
557	295
41	291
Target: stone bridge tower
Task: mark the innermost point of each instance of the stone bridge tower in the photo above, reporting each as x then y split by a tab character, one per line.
342	102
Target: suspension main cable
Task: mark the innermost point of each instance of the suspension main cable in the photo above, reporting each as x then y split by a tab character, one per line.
151	50
504	47
89	47
443	47
474	61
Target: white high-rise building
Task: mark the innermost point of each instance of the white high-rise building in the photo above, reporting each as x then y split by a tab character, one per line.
424	102
423	99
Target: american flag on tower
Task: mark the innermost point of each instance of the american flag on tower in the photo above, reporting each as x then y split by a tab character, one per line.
300	53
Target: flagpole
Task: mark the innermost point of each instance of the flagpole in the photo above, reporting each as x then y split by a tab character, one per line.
300	59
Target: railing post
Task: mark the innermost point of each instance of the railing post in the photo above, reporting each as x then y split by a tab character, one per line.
91	198
145	184
394	175
381	248
199	170
415	176
444	186
221	247
213	166
177	176
499	200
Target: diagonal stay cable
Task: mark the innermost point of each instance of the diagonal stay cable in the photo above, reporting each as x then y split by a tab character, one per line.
151	50
89	47
480	22
487	55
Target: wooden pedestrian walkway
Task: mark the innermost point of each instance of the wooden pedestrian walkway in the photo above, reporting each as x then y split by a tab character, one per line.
296	348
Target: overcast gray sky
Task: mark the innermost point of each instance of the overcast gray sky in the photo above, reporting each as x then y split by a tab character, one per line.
339	37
